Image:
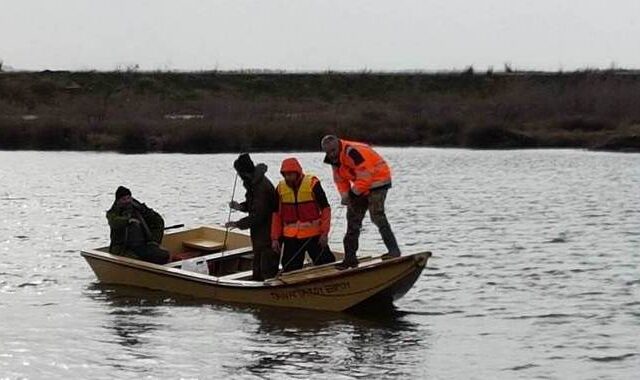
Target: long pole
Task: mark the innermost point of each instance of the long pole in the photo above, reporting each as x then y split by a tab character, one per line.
292	257
233	194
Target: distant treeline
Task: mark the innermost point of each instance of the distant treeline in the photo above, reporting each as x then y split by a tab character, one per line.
131	111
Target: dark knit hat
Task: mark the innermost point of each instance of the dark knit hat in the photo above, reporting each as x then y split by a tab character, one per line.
122	191
244	164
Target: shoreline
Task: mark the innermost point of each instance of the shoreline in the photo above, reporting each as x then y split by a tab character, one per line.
217	112
284	151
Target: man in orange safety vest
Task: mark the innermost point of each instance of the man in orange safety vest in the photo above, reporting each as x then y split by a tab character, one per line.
363	178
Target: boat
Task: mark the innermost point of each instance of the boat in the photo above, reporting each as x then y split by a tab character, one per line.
212	263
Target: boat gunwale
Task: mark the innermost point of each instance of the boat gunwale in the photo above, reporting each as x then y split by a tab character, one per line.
242	284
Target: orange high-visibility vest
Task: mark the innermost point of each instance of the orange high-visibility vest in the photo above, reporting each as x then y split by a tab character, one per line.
299	212
370	174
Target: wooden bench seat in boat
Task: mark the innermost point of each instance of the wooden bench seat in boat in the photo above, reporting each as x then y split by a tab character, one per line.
205	245
196	248
215	256
244	275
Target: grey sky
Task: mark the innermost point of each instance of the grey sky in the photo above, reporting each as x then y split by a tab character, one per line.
319	35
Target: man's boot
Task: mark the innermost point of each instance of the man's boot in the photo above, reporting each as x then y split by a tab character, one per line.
349	261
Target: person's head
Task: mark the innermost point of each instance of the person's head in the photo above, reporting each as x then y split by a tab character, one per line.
331	146
244	166
291	171
123	196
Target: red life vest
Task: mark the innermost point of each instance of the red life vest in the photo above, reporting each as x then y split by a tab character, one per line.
299	211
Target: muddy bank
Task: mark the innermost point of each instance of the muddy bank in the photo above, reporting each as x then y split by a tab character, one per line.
216	112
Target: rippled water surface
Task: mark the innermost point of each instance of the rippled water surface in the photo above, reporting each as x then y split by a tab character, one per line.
535	272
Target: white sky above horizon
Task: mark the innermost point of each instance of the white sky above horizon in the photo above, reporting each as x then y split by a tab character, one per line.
305	35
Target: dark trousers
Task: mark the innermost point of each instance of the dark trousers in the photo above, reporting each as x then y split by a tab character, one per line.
294	250
265	263
151	253
358	207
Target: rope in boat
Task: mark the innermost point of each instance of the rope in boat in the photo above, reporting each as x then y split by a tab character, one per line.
340	212
292	257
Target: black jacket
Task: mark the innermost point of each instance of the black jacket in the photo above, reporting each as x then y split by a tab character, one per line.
125	235
261	202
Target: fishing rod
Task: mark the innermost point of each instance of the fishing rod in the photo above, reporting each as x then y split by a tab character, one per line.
301	249
174	226
233	194
340	212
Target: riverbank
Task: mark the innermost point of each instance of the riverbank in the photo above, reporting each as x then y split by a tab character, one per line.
208	112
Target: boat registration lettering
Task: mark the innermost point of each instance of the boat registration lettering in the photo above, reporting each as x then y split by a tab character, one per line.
311	291
332	288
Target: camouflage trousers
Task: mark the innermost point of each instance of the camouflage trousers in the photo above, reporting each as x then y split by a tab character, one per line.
358	207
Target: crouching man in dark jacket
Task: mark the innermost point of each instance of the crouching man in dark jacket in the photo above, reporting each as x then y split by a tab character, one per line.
136	230
260	203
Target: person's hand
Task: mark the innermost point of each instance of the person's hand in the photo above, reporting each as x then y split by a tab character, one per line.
136	205
231	225
275	245
234	205
134	220
324	240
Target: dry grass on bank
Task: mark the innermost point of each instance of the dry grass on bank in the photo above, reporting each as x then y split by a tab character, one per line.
218	112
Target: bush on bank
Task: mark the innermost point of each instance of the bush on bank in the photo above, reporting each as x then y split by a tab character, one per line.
218	112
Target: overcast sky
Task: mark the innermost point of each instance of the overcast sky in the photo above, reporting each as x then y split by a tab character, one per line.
305	35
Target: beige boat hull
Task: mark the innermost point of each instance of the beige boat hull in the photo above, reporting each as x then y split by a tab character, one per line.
317	288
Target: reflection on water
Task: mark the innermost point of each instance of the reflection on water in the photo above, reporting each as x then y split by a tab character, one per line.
352	345
534	273
130	322
132	329
366	342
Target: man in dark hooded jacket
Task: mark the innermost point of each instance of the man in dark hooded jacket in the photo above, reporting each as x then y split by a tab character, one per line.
260	203
136	230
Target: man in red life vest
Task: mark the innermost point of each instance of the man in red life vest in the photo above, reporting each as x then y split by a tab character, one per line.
302	219
363	178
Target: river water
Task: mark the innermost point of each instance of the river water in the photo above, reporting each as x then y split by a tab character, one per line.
535	272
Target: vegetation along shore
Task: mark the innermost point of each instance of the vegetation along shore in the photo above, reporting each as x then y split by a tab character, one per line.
202	112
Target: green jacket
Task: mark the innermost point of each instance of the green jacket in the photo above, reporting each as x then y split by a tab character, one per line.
261	201
125	235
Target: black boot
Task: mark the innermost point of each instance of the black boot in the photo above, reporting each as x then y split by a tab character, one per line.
346	264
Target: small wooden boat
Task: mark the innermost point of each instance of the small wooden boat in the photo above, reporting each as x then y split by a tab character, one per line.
206	269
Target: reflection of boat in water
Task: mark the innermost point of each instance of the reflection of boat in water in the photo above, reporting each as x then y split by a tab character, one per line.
209	270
